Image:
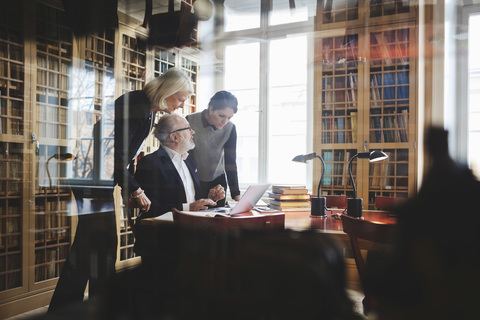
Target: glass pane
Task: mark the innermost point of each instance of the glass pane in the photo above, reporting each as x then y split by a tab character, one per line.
242	79
287	110
242	14
474	94
282	13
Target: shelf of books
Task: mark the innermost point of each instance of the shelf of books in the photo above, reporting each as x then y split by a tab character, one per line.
190	67
52	232
12	76
11	215
133	63
339	89
389	177
54	43
354	13
391	111
389	86
12	149
52	224
336	179
367	102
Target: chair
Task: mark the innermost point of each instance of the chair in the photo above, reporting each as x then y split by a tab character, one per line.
336	201
131	213
380	234
388	203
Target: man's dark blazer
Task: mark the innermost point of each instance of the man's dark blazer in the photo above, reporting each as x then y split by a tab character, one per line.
133	123
159	178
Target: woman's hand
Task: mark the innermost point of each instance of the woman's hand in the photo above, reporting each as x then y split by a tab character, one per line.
142	200
201	204
237	197
217	193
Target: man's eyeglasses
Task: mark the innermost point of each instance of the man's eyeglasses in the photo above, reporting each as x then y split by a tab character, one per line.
186	128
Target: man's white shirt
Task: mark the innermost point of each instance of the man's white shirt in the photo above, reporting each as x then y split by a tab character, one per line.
182	169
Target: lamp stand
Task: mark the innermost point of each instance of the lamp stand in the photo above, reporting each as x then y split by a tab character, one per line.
354	207
318	207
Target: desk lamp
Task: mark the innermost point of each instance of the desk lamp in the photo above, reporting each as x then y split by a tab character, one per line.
318	204
354	205
59	157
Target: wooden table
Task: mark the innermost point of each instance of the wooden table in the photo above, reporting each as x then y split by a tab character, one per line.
330	224
298	220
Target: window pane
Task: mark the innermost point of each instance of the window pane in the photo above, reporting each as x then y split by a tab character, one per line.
242	79
242	14
474	94
282	14
287	110
81	101
107	136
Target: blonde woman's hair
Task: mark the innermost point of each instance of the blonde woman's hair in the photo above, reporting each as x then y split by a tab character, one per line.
169	83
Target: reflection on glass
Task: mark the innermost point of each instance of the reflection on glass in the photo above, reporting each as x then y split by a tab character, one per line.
242	14
282	13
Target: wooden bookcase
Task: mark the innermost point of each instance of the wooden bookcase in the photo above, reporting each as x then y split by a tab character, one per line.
365	97
54	87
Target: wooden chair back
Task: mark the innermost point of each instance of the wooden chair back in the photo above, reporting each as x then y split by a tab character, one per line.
359	229
264	221
131	213
388	203
336	201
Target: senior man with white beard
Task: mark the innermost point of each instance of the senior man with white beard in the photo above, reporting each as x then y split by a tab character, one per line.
169	176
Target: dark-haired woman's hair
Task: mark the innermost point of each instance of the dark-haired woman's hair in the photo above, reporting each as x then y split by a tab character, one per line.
223	99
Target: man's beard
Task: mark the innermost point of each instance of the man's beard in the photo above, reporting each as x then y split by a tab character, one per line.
186	145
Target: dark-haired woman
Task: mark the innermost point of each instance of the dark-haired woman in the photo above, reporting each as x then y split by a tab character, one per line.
216	145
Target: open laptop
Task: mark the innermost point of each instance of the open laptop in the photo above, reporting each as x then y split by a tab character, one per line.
246	203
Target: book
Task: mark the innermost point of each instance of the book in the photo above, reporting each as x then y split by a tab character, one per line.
289	189
289	186
341	128
278	196
353	125
289	208
290	203
266	210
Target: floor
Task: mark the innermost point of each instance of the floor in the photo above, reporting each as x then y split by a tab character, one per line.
354	295
30	314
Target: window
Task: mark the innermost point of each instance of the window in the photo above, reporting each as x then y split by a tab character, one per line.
91	100
469	122
474	94
269	77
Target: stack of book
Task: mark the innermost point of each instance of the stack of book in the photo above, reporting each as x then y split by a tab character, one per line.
289	198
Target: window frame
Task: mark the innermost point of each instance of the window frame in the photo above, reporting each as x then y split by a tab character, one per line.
263	35
461	144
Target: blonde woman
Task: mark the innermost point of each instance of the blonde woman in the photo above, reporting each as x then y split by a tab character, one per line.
134	116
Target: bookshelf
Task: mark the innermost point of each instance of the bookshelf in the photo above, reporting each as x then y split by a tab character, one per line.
54	87
11	72
333	14
52	227
133	63
11	218
365	74
54	45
